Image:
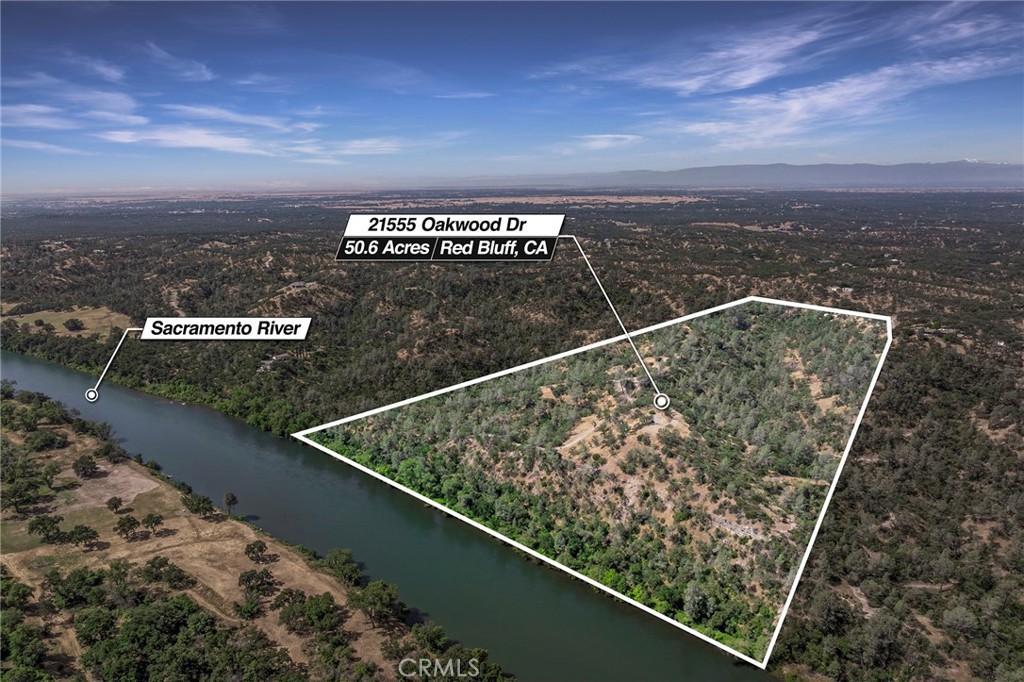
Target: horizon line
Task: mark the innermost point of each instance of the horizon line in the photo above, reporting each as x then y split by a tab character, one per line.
535	181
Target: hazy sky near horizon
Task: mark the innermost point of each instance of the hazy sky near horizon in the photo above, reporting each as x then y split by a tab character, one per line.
150	95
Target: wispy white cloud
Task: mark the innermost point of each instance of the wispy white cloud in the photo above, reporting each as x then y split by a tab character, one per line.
591	143
36	116
466	95
89	97
184	136
41	146
320	111
215	113
97	100
254	79
370	145
595	142
743	64
790	116
90	104
183	69
959	25
117	118
261	82
87	104
728	61
37	79
324	161
104	106
311	147
95	66
731	62
333	152
393	145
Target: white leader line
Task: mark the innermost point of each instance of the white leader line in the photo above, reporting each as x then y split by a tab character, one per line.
614	312
114	355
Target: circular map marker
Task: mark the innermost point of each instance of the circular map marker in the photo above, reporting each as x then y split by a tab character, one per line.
661	401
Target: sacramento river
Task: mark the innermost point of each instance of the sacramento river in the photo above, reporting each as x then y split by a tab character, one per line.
537	622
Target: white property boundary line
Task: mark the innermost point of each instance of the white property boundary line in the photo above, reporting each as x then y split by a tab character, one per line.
763	664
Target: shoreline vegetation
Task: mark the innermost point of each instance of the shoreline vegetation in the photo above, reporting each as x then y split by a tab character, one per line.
113	570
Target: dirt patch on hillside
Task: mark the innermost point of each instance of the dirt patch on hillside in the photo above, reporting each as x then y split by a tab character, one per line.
857	598
985	426
172	295
111	481
799	375
931	633
593	441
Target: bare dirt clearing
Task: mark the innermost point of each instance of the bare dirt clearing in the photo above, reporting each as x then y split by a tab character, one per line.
112	481
210	549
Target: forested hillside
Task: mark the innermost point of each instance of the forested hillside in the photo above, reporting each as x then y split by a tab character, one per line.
917	572
702	511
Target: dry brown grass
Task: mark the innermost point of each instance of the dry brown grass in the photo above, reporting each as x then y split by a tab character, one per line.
96	320
211	550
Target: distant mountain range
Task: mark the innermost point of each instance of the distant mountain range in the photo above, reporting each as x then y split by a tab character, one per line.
950	175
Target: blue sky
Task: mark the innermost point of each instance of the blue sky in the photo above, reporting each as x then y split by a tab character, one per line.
149	96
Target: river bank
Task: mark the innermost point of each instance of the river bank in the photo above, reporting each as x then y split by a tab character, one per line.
71	522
